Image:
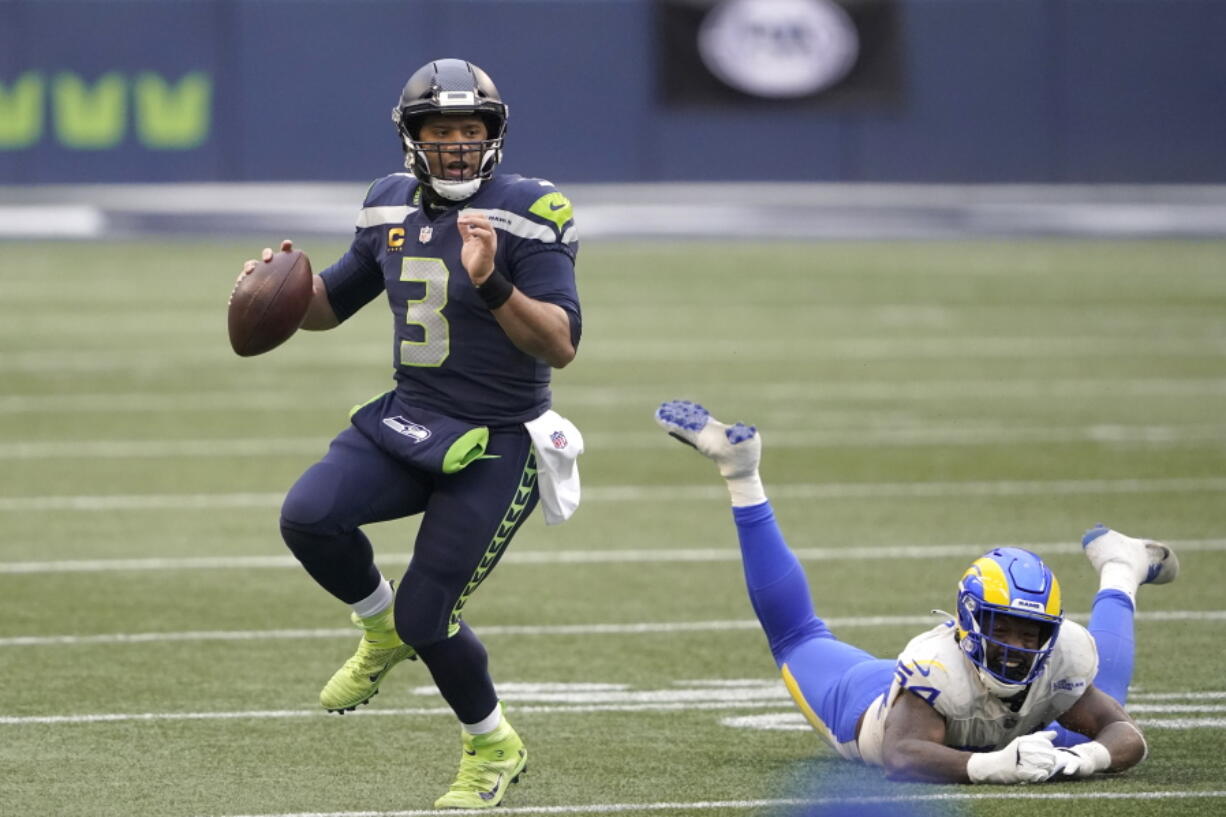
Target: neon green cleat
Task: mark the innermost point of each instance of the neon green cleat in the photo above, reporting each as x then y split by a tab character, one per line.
358	680
489	765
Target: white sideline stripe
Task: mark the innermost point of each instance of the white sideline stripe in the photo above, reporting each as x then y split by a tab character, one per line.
842	438
643	396
743	805
664	493
52	221
565	557
639	628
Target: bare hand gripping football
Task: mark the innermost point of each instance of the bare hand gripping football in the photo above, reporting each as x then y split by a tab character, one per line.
269	300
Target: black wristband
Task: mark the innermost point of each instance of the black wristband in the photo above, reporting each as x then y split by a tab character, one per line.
495	290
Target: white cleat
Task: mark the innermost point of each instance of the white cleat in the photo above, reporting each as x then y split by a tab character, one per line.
736	449
1152	562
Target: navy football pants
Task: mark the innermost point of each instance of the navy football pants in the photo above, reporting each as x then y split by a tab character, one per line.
468	519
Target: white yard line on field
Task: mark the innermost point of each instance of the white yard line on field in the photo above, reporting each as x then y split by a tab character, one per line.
140	502
776	803
158	449
820	391
961	347
579	557
520	709
1151	435
794	721
1171	709
634	628
663	493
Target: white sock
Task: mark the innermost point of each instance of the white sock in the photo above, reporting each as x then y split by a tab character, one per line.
487	724
746	490
1121	577
376	602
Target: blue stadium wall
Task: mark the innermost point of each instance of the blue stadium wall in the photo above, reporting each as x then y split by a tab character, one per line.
254	90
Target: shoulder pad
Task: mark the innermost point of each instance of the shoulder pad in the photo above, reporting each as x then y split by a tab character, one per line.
387	201
932	666
392	189
1076	651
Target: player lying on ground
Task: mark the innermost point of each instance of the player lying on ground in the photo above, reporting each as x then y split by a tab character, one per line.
1005	691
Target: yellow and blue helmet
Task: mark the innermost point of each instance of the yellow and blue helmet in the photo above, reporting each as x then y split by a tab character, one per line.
1009	616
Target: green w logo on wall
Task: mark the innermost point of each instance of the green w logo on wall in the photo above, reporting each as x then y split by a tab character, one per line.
82	115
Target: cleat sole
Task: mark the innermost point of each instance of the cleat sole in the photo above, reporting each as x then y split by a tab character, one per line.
344	709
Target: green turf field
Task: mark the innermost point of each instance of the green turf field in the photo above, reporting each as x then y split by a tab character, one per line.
161	655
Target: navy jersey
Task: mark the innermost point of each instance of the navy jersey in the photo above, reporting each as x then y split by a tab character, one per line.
450	354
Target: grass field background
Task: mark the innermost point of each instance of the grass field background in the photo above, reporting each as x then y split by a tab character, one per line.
161	654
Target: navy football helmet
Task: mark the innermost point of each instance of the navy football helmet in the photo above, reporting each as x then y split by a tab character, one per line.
1014	583
450	87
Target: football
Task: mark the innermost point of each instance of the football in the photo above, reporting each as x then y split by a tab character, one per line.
268	305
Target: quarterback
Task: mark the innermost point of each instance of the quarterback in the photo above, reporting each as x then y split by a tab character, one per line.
1007	690
478	271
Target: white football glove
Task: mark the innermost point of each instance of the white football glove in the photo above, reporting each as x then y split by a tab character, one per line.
1028	759
1083	759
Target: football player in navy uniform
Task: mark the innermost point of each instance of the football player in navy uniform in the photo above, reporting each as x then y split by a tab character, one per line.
1007	690
478	270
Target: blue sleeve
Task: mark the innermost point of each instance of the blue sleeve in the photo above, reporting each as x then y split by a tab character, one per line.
353	281
548	274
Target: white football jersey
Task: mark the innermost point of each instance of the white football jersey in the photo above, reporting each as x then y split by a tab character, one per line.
933	667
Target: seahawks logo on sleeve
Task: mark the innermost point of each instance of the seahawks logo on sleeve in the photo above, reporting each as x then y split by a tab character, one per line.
555	208
529	209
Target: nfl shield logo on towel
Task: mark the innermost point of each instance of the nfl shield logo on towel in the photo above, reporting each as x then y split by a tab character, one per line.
425	234
559	439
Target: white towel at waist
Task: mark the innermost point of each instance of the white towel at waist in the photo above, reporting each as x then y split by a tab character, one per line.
558	445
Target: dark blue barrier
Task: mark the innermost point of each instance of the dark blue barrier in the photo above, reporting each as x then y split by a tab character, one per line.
239	90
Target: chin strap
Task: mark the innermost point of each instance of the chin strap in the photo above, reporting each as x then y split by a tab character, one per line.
455	191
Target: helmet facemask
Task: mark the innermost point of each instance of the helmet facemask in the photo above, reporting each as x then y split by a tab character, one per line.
1009	666
454	170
